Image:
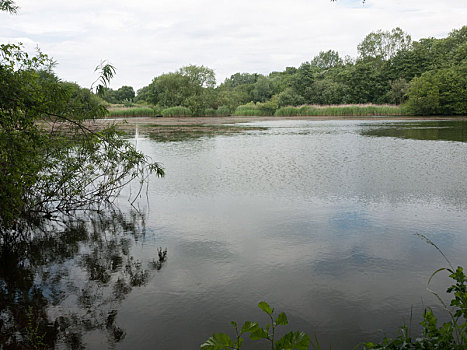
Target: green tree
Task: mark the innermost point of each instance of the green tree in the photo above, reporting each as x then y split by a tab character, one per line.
398	90
238	79
366	81
327	92
289	97
384	44
327	59
142	94
52	164
190	86
442	91
125	93
262	89
282	80
303	80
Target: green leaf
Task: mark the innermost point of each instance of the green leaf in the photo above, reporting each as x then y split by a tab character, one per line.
265	307
282	319
239	343
218	341
233	323
249	326
293	340
259	333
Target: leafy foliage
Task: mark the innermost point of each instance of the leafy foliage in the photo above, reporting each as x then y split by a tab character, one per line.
191	87
123	95
8	6
291	340
442	91
384	44
449	335
53	163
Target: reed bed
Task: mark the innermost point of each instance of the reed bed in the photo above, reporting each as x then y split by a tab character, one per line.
133	112
177	112
222	111
340	110
250	110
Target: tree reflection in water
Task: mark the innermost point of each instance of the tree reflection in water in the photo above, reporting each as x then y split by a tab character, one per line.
57	287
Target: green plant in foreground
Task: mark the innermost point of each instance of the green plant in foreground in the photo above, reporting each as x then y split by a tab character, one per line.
291	340
35	339
450	335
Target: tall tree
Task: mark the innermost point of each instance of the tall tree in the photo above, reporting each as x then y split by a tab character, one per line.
327	59
384	44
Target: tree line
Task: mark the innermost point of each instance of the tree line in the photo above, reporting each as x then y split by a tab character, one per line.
426	77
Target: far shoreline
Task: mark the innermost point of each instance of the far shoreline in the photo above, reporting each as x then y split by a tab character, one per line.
173	121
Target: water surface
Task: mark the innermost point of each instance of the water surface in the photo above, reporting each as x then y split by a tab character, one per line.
317	218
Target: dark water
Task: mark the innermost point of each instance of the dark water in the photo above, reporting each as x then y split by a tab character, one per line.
317	218
425	130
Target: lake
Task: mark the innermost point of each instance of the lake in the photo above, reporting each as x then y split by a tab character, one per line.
318	218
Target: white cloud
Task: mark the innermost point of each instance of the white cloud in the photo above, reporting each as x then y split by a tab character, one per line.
145	38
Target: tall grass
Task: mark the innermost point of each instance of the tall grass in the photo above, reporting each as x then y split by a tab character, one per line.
250	109
223	111
177	112
134	112
340	110
288	111
263	109
209	112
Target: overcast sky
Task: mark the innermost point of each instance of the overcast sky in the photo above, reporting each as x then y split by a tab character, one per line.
145	38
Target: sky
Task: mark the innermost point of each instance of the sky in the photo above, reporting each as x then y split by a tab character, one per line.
146	38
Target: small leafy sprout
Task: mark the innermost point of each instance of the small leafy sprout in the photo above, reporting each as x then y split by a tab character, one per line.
290	341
